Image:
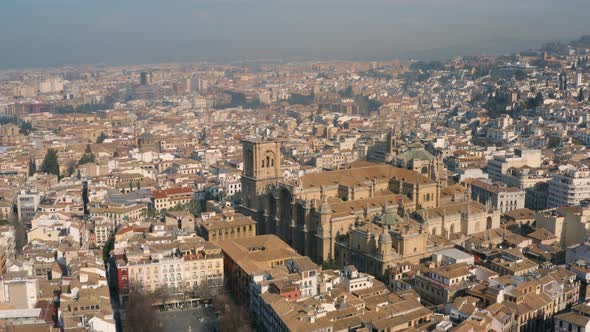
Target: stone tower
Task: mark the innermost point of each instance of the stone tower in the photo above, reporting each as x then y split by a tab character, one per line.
262	169
391	146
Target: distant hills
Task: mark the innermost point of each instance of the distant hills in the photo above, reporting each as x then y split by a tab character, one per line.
583	42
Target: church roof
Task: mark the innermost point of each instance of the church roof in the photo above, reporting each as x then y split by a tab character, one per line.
359	176
415	152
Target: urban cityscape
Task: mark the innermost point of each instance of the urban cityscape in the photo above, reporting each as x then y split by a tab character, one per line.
309	195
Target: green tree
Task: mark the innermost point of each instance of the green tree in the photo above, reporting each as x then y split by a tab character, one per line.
194	207
101	137
71	167
554	141
347	92
50	163
539	99
32	167
88	156
329	264
25	127
178	207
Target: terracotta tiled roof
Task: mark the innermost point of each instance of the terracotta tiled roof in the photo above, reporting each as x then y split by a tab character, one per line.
172	191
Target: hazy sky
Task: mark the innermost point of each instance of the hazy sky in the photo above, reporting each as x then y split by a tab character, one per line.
58	32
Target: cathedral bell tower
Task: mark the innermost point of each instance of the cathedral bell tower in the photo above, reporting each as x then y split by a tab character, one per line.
262	169
391	146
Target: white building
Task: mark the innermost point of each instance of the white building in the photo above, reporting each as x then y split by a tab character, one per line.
452	256
569	187
51	85
19	293
353	280
502	198
499	165
27	203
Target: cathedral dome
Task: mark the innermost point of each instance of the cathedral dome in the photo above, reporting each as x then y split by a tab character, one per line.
385	237
388	217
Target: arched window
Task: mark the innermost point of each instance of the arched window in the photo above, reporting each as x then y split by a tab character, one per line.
489	223
267	161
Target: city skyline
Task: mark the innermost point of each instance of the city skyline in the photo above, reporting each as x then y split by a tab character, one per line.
66	32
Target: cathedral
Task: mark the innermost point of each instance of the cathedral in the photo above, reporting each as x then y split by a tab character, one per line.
370	216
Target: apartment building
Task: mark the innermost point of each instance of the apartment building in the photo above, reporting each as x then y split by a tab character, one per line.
569	188
499	165
568	224
534	299
168	198
103	229
369	306
27	203
120	214
200	266
227	226
247	258
333	160
512	262
577	320
5	209
501	198
440	285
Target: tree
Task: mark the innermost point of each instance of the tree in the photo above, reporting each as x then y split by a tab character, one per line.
232	317
520	75
533	103
50	164
88	156
101	137
554	141
32	167
581	95
85	198
161	294
178	207
539	99
194	207
106	250
329	264
141	315
138	184
347	92
71	167
84	108
25	127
